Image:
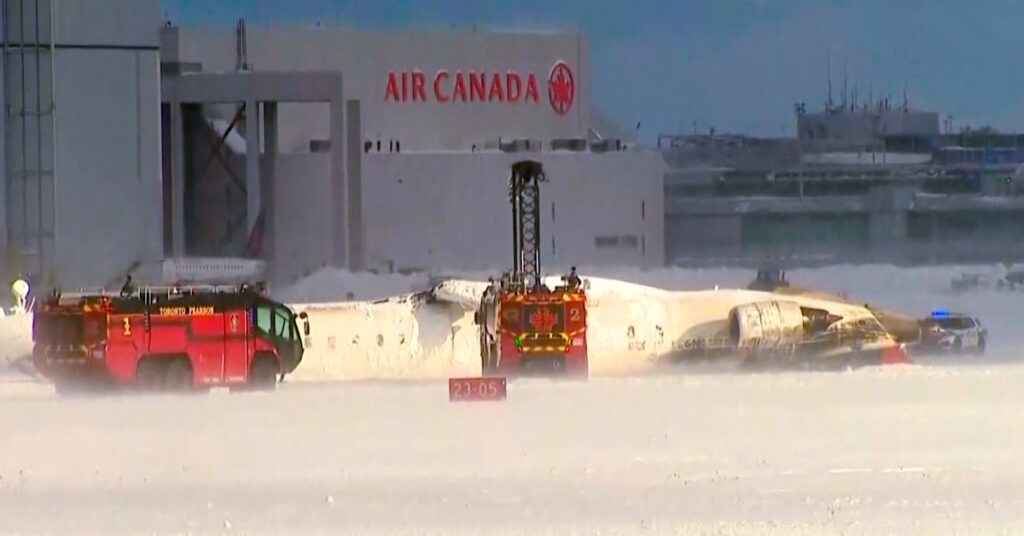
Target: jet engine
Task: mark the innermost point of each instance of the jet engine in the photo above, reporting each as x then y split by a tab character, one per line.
776	324
766	325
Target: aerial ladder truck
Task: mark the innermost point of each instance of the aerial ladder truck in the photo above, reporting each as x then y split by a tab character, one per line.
527	328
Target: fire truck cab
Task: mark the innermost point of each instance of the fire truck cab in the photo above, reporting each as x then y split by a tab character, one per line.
170	339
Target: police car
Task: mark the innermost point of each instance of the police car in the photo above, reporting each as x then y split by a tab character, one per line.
944	331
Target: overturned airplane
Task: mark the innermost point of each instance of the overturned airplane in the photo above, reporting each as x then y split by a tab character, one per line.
630	329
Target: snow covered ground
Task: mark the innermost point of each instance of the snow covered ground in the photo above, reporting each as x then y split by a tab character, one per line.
897	450
900	450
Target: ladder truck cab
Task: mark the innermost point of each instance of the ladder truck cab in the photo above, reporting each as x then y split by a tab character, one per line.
169	339
525	327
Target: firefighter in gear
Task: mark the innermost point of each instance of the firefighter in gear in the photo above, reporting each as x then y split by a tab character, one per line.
128	288
573	280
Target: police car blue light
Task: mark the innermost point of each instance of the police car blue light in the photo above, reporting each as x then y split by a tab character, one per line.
940	313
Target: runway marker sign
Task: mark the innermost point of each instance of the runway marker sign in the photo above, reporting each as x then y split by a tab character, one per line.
476	389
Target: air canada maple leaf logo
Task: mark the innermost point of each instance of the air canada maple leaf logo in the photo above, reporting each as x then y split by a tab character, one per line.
543	320
561	88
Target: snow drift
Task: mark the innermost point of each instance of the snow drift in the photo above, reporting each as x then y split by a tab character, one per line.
15	339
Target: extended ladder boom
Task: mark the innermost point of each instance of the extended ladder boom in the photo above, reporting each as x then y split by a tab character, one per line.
524	194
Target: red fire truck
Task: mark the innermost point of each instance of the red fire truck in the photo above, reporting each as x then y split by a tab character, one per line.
540	332
170	339
526	327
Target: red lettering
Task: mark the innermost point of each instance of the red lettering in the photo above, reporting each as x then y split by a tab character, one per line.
531	88
479	88
391	93
495	93
419	80
460	87
441	75
477	85
513	86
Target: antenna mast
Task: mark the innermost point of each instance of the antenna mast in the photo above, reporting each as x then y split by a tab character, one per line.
241	53
828	74
844	85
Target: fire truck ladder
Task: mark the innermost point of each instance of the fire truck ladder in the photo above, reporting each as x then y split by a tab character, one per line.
524	194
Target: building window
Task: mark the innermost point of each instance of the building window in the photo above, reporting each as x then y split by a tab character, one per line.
626	242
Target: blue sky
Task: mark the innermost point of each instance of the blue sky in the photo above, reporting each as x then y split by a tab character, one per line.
737	65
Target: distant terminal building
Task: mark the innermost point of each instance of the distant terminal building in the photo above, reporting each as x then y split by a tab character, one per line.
862	129
856	185
129	140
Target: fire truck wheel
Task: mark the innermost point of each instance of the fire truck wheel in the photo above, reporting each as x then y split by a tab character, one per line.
263	372
178	376
150	373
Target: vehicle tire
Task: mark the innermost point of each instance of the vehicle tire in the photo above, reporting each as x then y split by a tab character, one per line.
980	349
958	345
178	377
263	373
149	373
488	355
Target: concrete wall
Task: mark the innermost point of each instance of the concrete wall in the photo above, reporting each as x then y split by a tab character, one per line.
450	211
434	211
107	138
366	57
302	204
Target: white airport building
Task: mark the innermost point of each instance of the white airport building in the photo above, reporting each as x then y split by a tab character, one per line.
130	140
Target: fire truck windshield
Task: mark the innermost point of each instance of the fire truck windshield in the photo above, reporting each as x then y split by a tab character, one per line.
276	322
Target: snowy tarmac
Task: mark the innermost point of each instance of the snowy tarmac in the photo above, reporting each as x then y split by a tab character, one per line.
904	449
932	448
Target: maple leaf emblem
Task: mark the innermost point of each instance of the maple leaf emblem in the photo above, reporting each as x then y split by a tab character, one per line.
543	320
561	88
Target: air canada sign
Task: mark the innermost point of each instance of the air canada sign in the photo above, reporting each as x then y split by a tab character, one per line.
447	87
